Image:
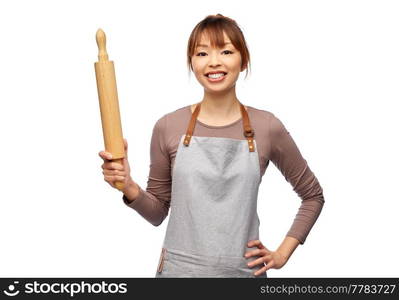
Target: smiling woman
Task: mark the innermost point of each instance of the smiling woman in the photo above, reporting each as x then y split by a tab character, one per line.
207	162
221	31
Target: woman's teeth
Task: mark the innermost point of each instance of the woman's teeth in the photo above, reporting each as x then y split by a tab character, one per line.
216	75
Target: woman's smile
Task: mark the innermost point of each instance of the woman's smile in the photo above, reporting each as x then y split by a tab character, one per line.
216	77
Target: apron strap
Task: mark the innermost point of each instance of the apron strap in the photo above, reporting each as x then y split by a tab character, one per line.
191	125
249	133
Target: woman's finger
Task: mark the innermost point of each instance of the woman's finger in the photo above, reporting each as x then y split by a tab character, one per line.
267	258
256	243
113	172
105	155
256	262
112	166
256	252
269	265
261	270
114	178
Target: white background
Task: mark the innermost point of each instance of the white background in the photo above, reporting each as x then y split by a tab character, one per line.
328	69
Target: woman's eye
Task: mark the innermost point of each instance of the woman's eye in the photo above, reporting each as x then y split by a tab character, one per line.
228	52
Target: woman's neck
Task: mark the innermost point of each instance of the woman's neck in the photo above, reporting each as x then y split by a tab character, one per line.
219	109
220	105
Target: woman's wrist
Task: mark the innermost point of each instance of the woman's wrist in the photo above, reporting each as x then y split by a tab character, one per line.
132	191
288	246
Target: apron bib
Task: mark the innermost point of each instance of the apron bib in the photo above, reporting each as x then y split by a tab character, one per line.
213	209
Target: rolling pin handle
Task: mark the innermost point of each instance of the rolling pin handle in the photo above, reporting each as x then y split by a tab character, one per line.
101	41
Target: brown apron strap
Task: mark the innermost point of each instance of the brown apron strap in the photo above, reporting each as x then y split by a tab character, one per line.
249	133
191	125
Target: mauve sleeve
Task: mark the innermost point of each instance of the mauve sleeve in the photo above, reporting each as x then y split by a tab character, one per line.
153	204
286	156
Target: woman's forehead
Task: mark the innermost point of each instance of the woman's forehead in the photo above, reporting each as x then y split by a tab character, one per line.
204	41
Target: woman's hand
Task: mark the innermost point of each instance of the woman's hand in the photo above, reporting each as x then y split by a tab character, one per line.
116	172
273	259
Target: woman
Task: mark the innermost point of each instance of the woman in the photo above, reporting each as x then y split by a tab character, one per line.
207	162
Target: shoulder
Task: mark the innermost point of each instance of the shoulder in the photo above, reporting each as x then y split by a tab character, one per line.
262	115
271	120
259	113
178	113
173	119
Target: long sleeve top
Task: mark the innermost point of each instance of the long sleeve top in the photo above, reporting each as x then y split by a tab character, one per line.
274	143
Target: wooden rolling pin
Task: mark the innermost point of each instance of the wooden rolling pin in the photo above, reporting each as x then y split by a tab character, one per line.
109	105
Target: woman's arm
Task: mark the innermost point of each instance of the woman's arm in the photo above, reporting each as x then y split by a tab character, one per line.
154	202
132	192
288	246
286	156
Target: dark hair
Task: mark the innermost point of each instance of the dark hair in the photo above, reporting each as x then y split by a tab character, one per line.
214	26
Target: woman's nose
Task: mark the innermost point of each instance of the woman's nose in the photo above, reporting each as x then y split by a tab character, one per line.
214	60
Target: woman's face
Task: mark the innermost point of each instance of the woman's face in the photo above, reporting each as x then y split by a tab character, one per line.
207	59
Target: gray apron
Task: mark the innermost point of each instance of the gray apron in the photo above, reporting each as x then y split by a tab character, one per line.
213	209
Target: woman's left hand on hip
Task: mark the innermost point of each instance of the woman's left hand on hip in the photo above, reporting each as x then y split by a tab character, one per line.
272	259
